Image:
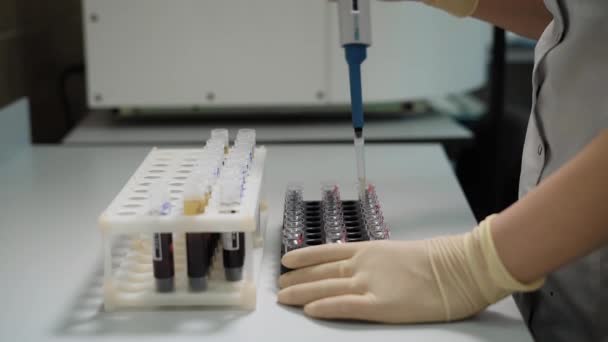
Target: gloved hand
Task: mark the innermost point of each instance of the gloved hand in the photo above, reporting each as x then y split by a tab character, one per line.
441	279
459	8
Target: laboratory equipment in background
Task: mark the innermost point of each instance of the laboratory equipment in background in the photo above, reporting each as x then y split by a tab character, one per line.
269	55
186	229
331	220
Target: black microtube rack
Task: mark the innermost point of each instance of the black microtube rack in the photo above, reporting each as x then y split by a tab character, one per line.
312	221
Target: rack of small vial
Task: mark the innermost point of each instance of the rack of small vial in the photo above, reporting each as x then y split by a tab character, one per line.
331	220
182	230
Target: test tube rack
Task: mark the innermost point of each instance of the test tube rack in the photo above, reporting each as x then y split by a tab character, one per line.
313	221
128	230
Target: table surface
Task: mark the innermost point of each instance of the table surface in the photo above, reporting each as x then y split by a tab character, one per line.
101	129
51	269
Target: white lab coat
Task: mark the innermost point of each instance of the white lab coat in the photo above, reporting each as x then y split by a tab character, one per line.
570	108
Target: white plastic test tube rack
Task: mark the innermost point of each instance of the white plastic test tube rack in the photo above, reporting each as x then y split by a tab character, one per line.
128	229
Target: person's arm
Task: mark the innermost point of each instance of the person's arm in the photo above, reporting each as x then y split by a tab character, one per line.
564	218
528	18
525	17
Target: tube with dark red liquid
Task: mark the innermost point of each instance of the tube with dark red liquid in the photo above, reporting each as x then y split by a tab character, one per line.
162	253
233	245
164	271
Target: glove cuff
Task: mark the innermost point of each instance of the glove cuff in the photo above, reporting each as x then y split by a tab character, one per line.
459	8
498	272
469	272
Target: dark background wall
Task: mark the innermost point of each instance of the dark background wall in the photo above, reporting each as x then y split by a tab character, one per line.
39	40
11	66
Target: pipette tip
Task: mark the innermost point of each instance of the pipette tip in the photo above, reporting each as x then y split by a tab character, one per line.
360	155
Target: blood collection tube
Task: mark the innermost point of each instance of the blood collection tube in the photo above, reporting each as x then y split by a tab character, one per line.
164	270
372	215
333	217
246	138
233	243
215	149
162	258
222	135
199	259
294	218
233	255
246	135
197	244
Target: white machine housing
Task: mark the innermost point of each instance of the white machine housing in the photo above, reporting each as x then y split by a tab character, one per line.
270	53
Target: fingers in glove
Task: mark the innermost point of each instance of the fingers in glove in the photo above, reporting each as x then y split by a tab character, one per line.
348	306
335	269
315	255
303	294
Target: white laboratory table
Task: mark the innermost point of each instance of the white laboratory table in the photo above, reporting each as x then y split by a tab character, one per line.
99	128
51	255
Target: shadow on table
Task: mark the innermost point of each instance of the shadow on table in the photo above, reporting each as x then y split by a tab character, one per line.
491	326
86	317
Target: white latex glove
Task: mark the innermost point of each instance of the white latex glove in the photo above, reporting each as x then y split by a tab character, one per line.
459	8
442	279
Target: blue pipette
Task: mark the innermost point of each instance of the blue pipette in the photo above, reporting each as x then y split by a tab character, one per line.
355	37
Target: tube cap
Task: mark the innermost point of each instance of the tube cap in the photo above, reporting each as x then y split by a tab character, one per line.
221	134
165	285
234	274
198	284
